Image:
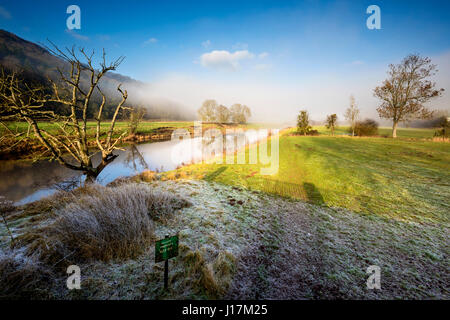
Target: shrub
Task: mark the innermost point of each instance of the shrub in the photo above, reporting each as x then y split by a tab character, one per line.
367	127
444	128
110	223
312	132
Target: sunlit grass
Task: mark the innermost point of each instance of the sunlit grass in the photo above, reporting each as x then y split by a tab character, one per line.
418	133
399	178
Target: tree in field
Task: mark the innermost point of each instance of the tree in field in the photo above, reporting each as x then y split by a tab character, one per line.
352	114
240	113
69	145
303	126
406	90
207	111
223	114
331	122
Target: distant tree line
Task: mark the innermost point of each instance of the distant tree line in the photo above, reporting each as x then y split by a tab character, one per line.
211	111
367	127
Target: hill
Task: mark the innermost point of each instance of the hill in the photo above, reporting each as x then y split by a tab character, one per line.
37	63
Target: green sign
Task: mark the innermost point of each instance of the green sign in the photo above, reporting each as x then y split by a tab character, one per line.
166	248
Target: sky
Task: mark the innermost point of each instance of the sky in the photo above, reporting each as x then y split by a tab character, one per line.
277	57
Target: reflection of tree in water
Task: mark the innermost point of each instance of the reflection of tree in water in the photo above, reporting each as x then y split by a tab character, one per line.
134	159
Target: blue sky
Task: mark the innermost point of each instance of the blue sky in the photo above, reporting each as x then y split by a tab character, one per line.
285	47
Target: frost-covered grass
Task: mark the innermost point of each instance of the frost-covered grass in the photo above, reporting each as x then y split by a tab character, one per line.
106	223
264	247
22	276
238	243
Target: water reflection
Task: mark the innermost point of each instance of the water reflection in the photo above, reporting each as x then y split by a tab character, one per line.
27	181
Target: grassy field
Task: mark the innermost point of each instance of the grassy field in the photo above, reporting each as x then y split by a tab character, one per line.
405	179
145	127
415	133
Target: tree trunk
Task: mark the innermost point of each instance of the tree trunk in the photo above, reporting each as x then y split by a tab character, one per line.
90	177
394	130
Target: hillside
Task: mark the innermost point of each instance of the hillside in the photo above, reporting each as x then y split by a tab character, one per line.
37	63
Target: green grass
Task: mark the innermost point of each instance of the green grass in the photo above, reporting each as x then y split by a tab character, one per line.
145	127
397	178
416	133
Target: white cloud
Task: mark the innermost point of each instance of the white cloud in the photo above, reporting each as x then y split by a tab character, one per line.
263	55
357	62
77	35
206	44
5	14
150	41
224	60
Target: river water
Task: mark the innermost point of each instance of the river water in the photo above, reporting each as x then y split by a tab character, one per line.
24	181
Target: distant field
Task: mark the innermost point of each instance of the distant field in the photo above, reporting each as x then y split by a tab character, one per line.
417	133
145	127
398	178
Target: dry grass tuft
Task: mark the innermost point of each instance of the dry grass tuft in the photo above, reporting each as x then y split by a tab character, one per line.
210	279
148	176
22	277
102	224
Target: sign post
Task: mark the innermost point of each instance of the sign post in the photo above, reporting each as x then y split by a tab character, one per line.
164	250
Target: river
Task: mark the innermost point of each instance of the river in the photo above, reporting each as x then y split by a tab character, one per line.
25	181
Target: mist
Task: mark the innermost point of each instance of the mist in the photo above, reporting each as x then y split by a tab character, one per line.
273	102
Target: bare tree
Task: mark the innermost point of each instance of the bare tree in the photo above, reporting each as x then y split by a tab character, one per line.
352	114
331	122
207	111
407	89
20	101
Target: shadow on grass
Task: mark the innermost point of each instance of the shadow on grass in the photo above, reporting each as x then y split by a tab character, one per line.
313	194
306	191
211	176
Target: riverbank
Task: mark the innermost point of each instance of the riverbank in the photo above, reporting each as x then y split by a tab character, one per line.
238	243
26	146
